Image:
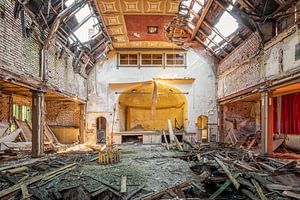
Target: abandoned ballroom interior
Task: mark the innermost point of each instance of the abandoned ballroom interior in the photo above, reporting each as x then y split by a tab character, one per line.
208	90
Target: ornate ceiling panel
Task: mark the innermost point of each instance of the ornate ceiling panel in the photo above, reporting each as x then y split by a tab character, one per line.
130	22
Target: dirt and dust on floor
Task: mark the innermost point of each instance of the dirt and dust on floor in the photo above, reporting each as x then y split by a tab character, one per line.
148	172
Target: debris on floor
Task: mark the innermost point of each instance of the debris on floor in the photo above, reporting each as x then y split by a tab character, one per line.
149	172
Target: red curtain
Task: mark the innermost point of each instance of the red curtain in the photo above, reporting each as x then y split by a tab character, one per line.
290	114
275	124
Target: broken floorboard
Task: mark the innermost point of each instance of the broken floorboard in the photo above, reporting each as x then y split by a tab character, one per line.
194	174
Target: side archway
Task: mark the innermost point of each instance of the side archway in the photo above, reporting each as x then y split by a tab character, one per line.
201	125
101	129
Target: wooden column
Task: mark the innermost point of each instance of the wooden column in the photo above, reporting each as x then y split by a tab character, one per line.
82	123
37	123
267	122
220	134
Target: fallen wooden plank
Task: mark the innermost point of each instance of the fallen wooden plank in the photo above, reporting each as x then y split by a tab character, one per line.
25	193
105	183
98	191
17	186
291	194
198	187
166	141
251	144
259	190
16	170
249	194
281	187
50	132
245	165
135	191
228	173
189	143
123	184
277	143
171	133
11	137
222	188
179	147
204	175
23	163
162	193
154	100
267	167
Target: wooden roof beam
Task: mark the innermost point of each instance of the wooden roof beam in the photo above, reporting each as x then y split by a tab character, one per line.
212	41
208	48
204	12
216	31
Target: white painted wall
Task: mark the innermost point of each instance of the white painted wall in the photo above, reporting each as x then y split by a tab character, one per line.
201	98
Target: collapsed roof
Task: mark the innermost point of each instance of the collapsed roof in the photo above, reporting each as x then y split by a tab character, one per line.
221	25
91	28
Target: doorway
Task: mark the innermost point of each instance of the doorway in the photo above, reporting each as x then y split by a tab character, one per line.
201	125
101	130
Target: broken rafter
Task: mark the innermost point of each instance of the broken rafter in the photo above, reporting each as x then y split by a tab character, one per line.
208	48
205	10
59	19
215	43
216	31
238	14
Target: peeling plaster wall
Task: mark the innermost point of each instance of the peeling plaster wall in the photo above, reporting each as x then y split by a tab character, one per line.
250	64
102	99
280	59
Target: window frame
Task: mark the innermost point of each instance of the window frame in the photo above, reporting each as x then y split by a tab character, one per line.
126	65
177	65
162	59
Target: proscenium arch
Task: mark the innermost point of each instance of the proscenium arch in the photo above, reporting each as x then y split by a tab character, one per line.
136	107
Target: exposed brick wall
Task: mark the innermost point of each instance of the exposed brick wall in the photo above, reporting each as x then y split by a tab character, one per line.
17	54
21	56
4	109
246	50
241	69
245	76
240	117
21	100
59	113
60	73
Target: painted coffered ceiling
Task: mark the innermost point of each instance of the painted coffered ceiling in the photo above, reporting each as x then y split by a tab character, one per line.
130	22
